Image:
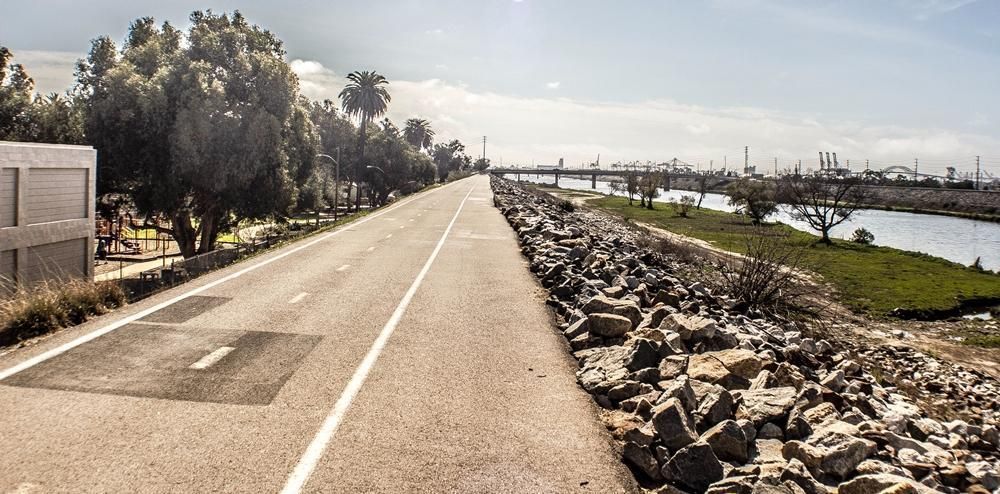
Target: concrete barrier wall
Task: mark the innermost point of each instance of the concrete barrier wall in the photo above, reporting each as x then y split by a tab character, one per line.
47	199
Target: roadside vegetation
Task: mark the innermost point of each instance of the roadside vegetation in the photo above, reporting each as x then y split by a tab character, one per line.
53	305
868	279
201	130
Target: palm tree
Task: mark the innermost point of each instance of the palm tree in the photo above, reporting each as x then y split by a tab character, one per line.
418	133
365	97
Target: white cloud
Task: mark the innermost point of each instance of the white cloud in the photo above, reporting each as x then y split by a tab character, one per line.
523	129
552	85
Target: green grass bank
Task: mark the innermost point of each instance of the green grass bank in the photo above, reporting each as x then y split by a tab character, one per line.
868	279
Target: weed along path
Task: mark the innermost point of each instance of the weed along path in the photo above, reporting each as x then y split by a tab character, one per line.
324	366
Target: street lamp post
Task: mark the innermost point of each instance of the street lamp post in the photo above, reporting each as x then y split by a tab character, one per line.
373	167
336	182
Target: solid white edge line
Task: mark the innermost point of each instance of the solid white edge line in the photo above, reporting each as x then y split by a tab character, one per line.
298	298
304	468
42	357
210	359
344	267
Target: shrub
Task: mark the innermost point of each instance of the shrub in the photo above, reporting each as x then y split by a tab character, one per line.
863	236
458	175
567	206
682	206
765	274
49	306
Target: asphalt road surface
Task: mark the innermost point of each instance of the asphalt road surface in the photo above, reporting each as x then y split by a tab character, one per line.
410	351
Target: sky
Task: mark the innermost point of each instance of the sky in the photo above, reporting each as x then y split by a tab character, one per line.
888	81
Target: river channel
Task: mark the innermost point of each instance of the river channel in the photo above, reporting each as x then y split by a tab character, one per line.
958	240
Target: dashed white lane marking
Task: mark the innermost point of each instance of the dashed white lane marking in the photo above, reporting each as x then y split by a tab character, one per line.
371	249
411	219
297	480
65	347
344	267
388	236
298	298
402	226
210	359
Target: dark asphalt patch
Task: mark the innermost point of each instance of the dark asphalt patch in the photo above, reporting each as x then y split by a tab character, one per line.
154	362
186	309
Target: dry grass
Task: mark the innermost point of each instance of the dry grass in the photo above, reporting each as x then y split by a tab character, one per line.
34	311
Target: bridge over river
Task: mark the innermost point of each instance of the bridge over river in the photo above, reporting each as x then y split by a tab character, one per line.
593	173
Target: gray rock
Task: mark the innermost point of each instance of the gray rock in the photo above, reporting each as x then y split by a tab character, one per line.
578	328
796	472
836	455
673	366
728	441
643	459
765	405
644	354
985	473
715	405
673	425
694	328
870	484
771	431
604	304
608	325
695	467
731	368
680	388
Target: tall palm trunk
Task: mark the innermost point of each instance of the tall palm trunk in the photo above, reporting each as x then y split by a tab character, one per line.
361	160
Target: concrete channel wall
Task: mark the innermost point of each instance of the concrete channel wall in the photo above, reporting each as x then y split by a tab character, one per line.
47	199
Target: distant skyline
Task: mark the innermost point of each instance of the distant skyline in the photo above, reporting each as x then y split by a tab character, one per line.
887	81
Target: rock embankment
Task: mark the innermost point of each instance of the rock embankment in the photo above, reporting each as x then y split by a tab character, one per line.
707	399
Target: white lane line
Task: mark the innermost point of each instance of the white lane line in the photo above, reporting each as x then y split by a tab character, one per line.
298	298
411	219
344	267
387	237
297	480
210	359
42	357
402	226
370	249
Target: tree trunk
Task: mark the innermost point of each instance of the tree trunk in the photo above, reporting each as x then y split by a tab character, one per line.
209	230
826	237
184	233
361	160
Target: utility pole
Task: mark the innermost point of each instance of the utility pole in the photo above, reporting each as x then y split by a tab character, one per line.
866	165
977	172
775	166
916	167
711	163
484	149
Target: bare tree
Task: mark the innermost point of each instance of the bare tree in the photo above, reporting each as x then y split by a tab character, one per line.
631	186
702	189
822	202
765	276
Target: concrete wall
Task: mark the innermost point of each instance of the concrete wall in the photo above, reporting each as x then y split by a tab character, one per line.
47	196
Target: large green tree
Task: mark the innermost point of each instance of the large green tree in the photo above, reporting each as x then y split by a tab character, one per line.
366	97
28	117
450	157
204	129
